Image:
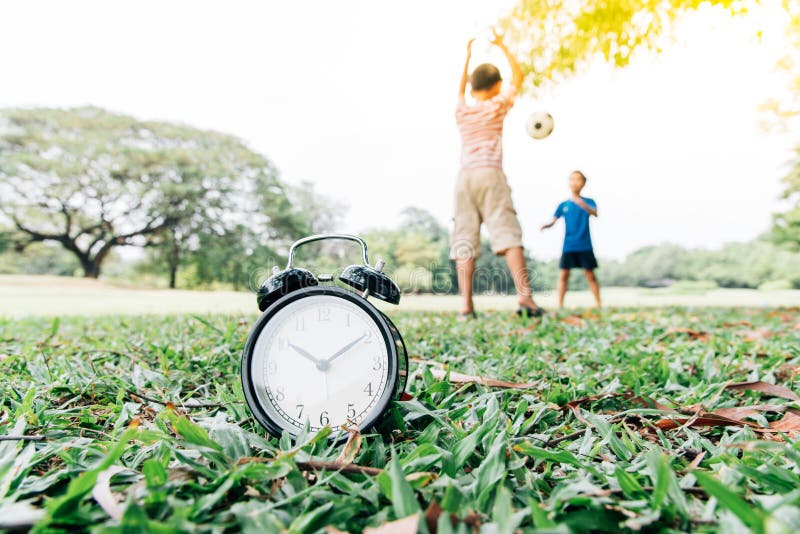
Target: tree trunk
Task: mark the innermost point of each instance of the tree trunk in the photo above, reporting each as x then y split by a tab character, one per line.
91	267
174	259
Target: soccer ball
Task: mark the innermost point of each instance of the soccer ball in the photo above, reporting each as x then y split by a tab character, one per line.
540	125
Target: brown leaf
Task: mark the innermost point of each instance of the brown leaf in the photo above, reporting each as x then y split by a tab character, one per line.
737	323
742	412
459	378
771	390
698	335
756	334
407	525
432	516
790	422
706	419
351	448
574	320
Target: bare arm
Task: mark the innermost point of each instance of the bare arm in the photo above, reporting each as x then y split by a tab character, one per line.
517	76
549	224
465	75
580	202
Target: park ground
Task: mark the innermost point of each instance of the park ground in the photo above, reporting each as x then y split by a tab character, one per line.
657	418
22	296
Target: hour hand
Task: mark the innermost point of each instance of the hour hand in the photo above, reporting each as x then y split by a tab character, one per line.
305	354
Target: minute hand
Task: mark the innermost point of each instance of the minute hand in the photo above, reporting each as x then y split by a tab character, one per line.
344	349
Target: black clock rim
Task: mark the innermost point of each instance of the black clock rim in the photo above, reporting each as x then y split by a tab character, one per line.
247	356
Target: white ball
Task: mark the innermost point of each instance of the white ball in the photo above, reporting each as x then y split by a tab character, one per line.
540	125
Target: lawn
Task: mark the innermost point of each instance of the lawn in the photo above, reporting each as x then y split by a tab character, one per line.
53	296
659	419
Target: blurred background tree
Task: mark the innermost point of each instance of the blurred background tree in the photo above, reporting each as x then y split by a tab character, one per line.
90	180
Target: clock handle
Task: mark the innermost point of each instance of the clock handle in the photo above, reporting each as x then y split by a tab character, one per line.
321	237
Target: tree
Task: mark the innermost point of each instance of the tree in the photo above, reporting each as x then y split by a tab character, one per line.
557	38
93	180
786	227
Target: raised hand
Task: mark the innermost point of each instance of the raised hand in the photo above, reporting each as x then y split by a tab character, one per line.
497	38
469	46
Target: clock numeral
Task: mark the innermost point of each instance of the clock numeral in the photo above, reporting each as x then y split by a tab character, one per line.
323	418
377	364
368	336
347	320
351	411
283	343
368	389
272	367
299	408
324	314
300	324
280	393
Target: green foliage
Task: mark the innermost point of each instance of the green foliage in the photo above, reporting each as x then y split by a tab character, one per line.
496	459
39	258
559	39
786	227
91	180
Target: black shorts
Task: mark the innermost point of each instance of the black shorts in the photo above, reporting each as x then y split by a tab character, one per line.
583	259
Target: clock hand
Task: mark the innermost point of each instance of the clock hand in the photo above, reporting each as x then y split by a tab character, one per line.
344	349
305	354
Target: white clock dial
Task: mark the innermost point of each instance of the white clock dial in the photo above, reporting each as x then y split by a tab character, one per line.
323	360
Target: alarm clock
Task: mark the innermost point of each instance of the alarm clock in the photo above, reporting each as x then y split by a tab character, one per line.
323	355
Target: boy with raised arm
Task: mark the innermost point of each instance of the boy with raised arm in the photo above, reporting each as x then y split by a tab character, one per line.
482	193
577	252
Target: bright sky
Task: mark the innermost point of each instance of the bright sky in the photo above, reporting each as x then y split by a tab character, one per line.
358	98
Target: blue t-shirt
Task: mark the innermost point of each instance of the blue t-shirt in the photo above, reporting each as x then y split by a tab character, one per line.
576	222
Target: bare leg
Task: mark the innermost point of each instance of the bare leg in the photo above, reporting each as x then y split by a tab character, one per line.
519	272
593	285
465	269
563	282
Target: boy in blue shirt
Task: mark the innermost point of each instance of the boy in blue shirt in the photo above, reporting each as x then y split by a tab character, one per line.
577	251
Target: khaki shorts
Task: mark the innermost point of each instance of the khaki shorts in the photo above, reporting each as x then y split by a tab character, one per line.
483	195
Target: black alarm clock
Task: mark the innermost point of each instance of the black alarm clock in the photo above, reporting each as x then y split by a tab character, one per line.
323	355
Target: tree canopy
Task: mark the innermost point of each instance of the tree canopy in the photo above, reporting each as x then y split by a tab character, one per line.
93	180
556	39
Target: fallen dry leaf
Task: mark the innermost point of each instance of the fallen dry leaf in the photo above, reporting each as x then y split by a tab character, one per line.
772	390
698	335
574	320
790	422
742	412
432	515
737	323
706	419
407	525
756	334
351	448
459	378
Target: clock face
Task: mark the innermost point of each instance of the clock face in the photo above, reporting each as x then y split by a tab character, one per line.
320	359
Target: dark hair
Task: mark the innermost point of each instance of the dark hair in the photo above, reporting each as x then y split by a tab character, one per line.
579	173
484	77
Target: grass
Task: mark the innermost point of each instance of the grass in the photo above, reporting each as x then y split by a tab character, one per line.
137	424
52	296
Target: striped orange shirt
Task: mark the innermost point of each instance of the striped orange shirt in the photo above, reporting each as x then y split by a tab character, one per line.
481	129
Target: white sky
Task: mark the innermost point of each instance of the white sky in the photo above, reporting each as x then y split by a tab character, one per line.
358	98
